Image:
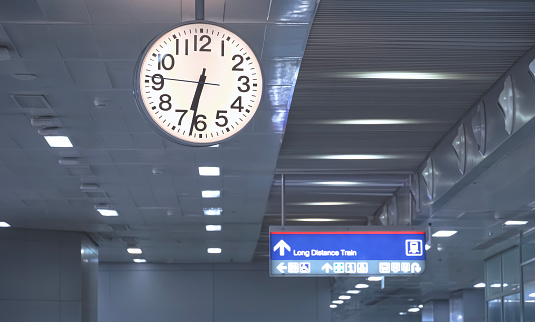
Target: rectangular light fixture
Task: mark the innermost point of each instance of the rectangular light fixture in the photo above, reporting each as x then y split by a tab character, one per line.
209	171
354	157
375	278
214	250
140	260
58	141
353	292
444	233
213	227
327	203
212	211
338	302
134	250
4	224
316	219
108	212
402	75
373	122
479	285
413	310
515	222
344	297
211	193
333	306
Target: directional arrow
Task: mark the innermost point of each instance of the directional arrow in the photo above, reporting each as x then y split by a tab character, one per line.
281	246
281	267
326	268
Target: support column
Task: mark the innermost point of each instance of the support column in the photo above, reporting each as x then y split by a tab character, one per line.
47	276
436	311
467	306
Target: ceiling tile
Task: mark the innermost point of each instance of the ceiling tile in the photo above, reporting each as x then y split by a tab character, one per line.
33	41
157	10
147	140
148	31
285	41
89	74
246	11
20	10
124	156
110	11
118	140
75	41
253	34
64	10
121	74
117	41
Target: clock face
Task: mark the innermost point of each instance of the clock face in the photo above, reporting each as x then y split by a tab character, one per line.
198	84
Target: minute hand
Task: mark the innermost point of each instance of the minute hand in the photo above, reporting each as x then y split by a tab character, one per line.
196	98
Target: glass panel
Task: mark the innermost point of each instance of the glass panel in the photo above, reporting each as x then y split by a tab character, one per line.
528	247
511	308
511	270
494	276
494	311
528	272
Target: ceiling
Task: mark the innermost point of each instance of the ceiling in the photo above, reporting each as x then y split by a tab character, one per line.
83	53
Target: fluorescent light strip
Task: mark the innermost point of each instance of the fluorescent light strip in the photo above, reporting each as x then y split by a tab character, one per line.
326	203
58	141
344	297
479	285
213	227
375	278
214	250
413	310
353	157
338	302
140	260
211	193
362	286
209	171
333	306
4	224
315	219
515	222
108	212
134	250
353	292
444	233
212	211
402	75
374	122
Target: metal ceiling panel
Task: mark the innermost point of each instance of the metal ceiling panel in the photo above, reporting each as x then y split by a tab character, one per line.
89	74
64	10
33	41
117	42
75	41
21	11
156	10
119	11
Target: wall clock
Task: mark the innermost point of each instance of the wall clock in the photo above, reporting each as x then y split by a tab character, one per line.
198	83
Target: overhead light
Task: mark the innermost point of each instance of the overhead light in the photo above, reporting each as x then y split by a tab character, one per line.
108	212
354	157
89	186
213	227
495	285
69	161
402	75
373	122
531	295
375	278
211	193
413	310
333	306
402	313
315	219
338	302
43	120
214	146
208	171
515	222
444	233
479	285
134	250
4	224
58	141
344	297
326	203
421	306
353	292
140	260
362	286
24	76
339	183
214	250
212	211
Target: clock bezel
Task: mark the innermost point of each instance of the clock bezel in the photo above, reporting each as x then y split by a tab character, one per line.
143	109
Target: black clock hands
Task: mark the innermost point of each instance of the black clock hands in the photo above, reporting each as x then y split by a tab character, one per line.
188	81
196	98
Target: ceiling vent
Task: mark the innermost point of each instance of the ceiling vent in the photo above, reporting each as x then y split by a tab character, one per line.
31	101
80	171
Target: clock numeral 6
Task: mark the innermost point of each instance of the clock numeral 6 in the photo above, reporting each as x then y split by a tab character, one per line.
165	102
245	83
219	115
166	62
200	125
157	79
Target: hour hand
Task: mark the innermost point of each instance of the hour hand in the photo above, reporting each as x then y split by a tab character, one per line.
198	91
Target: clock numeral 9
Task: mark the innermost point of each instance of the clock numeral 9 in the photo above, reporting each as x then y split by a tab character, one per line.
240	61
166	62
157	79
245	83
219	115
200	125
165	102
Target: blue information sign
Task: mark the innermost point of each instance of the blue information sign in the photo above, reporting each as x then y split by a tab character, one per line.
328	251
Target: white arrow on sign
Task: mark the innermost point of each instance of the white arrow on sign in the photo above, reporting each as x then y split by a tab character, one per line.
326	268
281	246
281	267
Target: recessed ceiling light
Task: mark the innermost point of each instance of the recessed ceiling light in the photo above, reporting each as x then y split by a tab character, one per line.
214	146
515	222
108	212
315	219
140	260
338	302
134	250
213	227
444	233
413	310
531	295
421	306
353	157
58	141
4	224
339	183
214	250
362	286
375	278
402	313
211	193
479	285
496	285
374	122
344	297
326	203
353	292
212	211
208	171
402	75
333	306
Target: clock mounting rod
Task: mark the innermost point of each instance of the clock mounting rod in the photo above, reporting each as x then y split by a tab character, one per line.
199	9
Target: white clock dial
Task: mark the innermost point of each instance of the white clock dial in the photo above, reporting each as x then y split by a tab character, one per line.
198	83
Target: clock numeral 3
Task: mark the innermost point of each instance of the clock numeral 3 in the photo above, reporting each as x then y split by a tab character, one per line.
200	125
165	102
245	83
240	61
166	62
219	115
237	104
157	79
